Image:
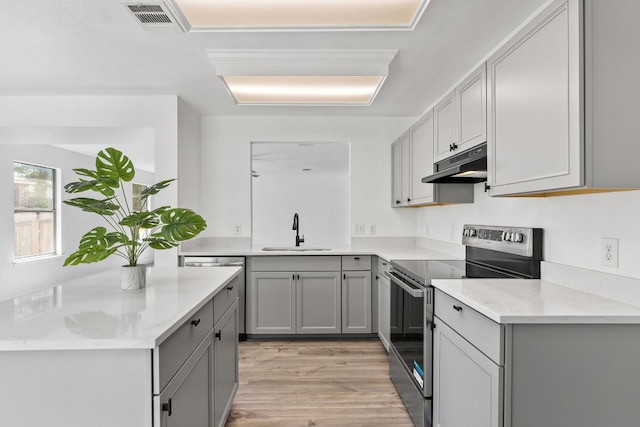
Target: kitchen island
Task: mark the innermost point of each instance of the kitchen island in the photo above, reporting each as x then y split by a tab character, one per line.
88	353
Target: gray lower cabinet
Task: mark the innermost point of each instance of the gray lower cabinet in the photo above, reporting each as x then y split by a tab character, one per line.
186	400
356	302
467	384
309	295
295	302
272	303
225	364
384	303
318	301
529	375
198	366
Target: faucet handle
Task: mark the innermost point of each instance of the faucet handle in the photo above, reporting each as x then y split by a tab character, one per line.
301	240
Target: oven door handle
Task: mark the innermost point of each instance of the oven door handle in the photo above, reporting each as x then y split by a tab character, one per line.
416	293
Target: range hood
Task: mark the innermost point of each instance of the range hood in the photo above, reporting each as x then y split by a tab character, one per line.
467	167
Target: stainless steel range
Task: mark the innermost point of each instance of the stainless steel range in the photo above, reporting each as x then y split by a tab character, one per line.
491	252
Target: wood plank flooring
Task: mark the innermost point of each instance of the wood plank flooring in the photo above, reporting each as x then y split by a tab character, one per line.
302	383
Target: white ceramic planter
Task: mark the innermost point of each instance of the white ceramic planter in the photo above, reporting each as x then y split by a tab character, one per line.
133	278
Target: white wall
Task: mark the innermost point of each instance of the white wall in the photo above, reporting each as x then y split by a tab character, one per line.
26	275
158	113
573	225
188	158
226	167
321	201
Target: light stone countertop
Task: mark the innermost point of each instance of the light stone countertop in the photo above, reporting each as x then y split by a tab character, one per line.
383	251
94	313
532	301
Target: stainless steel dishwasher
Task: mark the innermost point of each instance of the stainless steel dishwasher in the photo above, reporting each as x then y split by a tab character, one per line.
212	262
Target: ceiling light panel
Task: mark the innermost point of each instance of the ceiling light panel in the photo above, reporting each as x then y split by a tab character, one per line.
278	15
303	90
303	77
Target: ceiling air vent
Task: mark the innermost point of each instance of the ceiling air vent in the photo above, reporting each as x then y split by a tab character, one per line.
157	16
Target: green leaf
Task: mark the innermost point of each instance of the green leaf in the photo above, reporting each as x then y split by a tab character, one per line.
102	186
158	242
113	164
181	224
86	256
141	219
155	188
87	204
161	210
98	239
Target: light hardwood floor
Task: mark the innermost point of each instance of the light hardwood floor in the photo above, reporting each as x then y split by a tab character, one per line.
315	383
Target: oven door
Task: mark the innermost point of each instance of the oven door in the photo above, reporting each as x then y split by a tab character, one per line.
412	336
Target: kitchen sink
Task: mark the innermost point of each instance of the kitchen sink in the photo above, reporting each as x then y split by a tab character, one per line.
293	249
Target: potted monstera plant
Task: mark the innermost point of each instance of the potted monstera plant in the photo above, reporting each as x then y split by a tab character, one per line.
129	232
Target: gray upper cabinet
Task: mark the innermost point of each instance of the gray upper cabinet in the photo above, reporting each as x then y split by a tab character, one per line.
416	150
422	160
401	171
461	116
570	124
444	114
471	109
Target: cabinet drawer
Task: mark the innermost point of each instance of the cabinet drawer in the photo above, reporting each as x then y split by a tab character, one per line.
383	265
224	298
479	330
176	349
296	263
356	262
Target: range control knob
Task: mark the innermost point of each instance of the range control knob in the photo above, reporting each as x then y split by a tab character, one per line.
472	232
506	236
518	238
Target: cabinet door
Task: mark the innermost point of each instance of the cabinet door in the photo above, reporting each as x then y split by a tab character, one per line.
272	299
534	133
405	143
467	389
471	109
318	303
396	166
444	114
356	302
422	160
185	401
384	310
225	364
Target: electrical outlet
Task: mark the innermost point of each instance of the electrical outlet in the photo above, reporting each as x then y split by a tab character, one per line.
358	229
237	229
609	252
453	233
372	229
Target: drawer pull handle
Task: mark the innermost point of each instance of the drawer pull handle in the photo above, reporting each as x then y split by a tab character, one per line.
230	288
457	308
195	322
166	407
356	258
219	335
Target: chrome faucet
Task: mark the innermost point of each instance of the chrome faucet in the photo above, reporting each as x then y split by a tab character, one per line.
296	226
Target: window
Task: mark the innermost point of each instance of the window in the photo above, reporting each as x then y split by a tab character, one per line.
34	218
138	205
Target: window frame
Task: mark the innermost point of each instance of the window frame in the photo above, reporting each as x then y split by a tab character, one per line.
55	210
